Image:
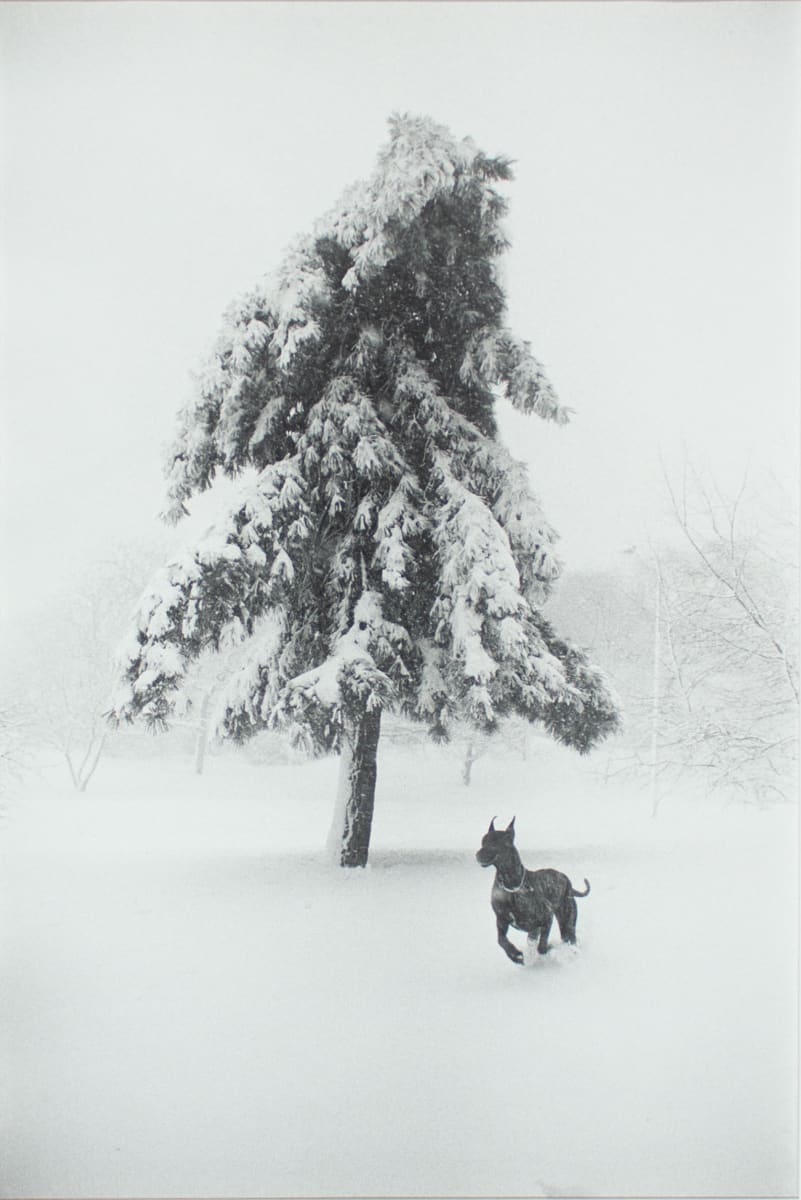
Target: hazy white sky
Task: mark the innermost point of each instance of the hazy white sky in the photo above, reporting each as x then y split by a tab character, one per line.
158	157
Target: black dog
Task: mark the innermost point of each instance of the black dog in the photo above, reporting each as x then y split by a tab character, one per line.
527	900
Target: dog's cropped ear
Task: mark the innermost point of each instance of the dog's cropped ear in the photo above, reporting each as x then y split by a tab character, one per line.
491	826
510	828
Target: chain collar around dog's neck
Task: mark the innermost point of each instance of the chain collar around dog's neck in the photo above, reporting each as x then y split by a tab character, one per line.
520	885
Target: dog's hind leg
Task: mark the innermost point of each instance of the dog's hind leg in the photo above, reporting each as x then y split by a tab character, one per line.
503	941
545	929
566	916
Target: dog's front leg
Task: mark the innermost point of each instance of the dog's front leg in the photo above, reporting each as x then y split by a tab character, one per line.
503	941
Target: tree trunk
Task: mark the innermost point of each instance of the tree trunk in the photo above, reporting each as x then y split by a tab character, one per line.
358	770
467	765
202	736
657	685
88	771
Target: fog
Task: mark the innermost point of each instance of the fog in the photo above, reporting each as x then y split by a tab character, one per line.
158	158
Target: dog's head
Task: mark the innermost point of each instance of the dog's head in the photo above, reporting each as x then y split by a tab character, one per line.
493	842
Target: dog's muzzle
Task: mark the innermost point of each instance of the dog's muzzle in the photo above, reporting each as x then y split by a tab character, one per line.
483	859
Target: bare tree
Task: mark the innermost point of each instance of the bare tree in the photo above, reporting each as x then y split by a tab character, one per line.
61	667
511	737
729	646
15	741
741	565
699	635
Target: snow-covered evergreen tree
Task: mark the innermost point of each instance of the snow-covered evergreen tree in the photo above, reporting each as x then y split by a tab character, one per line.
386	551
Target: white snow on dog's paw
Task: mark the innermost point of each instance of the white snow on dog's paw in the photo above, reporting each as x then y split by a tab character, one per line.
565	952
530	955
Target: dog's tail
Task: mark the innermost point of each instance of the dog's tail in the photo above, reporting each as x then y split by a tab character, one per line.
586	892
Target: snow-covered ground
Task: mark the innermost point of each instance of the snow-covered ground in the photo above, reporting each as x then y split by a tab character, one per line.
195	1004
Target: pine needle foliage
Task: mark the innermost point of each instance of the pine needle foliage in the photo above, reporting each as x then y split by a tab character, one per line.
385	550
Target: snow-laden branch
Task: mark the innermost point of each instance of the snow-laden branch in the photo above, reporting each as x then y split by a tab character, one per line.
490	471
422	161
314	704
495	356
236	571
